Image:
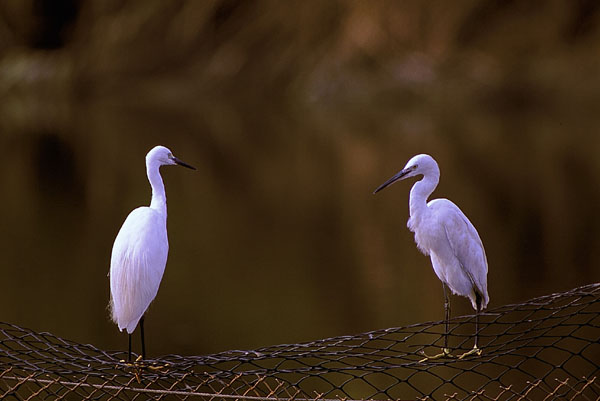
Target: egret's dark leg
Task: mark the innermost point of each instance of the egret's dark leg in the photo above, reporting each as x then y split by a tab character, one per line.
129	354
477	325
447	315
143	343
478	302
445	351
475	349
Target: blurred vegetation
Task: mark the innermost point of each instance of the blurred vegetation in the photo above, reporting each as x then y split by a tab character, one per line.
293	112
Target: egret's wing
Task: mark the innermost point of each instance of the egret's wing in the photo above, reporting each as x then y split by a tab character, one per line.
465	243
138	262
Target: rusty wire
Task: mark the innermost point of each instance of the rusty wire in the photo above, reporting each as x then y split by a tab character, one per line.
544	349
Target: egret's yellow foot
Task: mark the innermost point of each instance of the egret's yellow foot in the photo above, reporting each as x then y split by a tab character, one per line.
139	365
475	351
164	368
138	362
444	354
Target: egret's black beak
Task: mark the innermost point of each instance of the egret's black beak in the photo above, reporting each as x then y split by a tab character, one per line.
179	162
401	174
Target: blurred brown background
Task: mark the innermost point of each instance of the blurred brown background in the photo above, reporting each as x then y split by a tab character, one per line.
293	112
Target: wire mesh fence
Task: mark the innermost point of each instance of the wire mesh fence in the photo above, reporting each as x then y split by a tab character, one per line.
547	348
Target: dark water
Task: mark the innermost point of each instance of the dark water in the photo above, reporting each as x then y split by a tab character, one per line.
292	115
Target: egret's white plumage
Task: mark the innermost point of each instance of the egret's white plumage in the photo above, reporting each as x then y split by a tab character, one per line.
138	262
445	234
139	254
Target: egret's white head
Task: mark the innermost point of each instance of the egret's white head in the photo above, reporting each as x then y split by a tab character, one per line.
418	165
162	156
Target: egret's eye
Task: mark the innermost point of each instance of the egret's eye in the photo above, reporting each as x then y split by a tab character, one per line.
414	167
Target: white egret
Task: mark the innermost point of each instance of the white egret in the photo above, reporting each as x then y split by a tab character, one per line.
445	234
139	254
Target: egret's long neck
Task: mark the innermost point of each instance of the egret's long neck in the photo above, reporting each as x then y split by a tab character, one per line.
159	198
420	192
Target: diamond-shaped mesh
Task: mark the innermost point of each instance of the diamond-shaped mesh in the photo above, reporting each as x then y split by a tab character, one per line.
544	349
